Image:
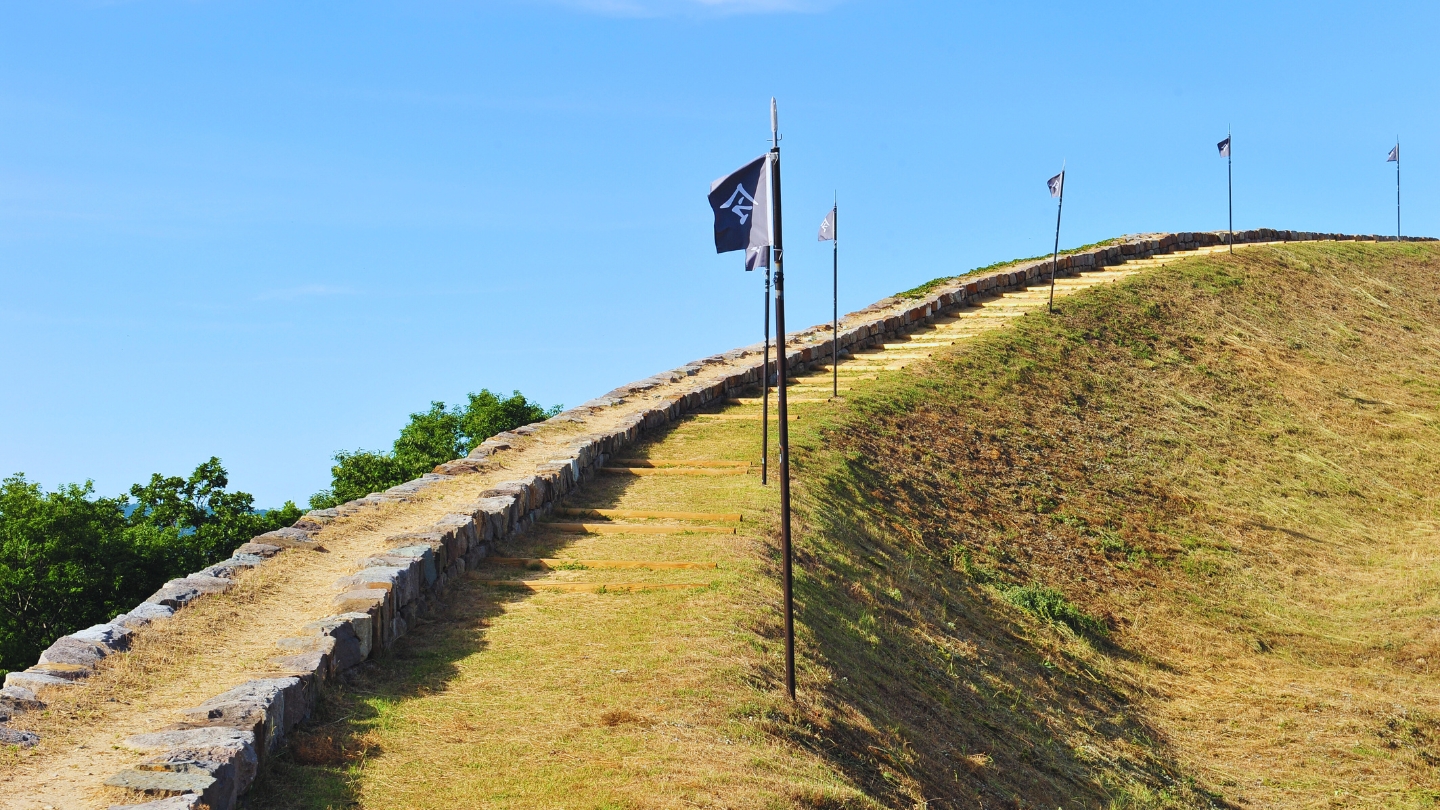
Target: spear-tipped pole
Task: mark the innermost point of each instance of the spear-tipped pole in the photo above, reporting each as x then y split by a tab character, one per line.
765	409
1055	256
779	248
1397	188
1230	183
835	298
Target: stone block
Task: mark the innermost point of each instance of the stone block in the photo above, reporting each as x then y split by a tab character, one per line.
35	681
425	554
111	636
401	582
281	704
163	781
69	672
74	652
185	801
289	537
347	629
23	739
373	602
462	466
258	549
180	592
142	615
314	657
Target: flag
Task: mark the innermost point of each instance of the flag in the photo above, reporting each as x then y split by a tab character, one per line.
741	201
1056	184
1394	155
1224	147
757	256
827	227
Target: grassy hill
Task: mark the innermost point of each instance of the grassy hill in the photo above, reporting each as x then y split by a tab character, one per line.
1173	546
1230	464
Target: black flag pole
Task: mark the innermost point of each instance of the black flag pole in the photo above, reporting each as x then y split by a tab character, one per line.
835	298
765	408
1055	256
1397	187
779	247
1230	183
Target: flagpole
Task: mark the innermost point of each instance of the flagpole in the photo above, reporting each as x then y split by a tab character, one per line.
1055	257
779	243
835	299
765	397
1230	184
1397	188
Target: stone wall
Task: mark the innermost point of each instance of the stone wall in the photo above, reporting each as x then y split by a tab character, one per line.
213	754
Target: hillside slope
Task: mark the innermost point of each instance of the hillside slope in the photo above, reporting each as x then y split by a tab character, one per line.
1172	546
1231	464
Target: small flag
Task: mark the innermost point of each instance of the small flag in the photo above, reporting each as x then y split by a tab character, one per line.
1056	184
1224	147
827	227
1394	155
741	201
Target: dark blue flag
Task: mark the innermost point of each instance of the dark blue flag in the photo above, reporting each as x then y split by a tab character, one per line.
742	212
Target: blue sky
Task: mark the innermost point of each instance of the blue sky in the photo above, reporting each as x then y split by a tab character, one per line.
269	231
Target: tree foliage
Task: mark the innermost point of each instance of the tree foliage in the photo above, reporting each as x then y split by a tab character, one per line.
429	438
69	559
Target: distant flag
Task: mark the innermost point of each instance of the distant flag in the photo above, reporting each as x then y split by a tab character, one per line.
741	202
1394	157
1224	147
827	227
1057	189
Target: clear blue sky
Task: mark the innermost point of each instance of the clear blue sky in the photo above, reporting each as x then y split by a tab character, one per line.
269	231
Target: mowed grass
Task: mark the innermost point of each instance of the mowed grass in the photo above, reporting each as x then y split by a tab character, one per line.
1173	546
1232	465
605	700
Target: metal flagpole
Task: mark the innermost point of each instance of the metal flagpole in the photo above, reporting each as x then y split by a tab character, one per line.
1230	183
835	298
1397	188
1055	257
779	243
765	382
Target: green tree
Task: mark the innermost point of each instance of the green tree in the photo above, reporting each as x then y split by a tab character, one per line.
487	414
429	438
64	560
196	519
69	560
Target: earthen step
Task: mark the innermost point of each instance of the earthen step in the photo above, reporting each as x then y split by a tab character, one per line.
589	587
793	400
674	462
732	517
553	562
634	528
673	470
741	416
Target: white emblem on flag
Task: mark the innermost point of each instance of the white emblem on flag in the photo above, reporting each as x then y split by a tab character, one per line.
1056	184
740	207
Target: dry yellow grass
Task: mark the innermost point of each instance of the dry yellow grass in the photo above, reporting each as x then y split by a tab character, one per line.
589	700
